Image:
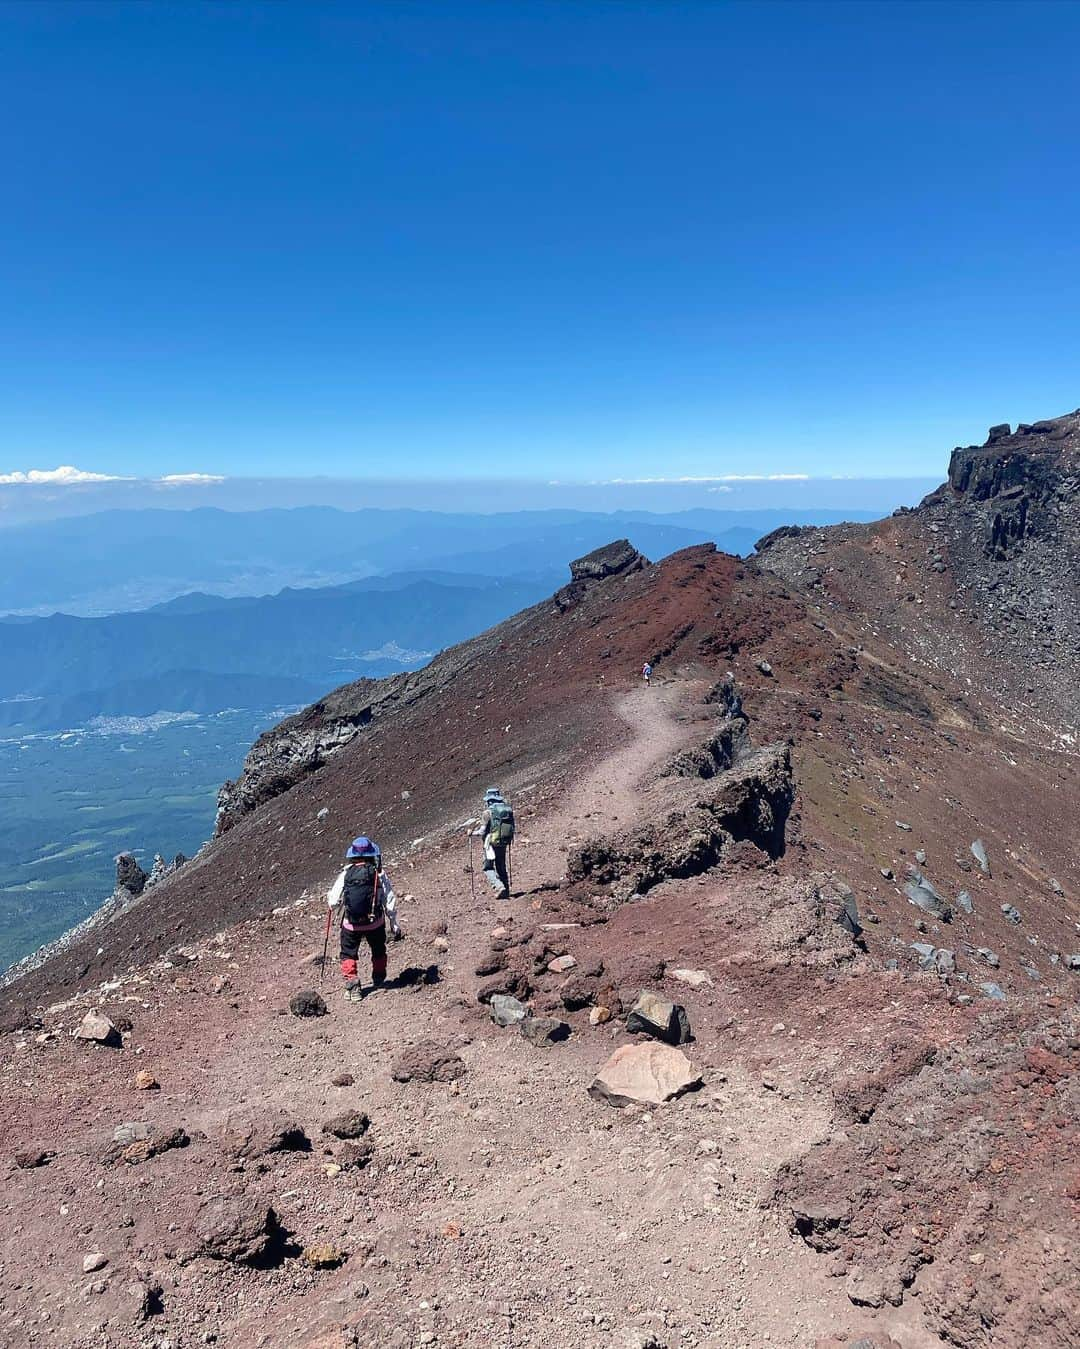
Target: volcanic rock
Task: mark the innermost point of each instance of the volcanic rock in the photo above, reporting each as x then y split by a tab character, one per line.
543	1031
427	1061
262	1135
921	893
507	1011
237	1229
97	1029
645	1074
349	1124
663	1020
308	1003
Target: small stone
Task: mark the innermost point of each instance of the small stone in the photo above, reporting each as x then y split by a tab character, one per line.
920	857
441	945
905	827
598	1015
342	1080
349	1124
543	1031
991	957
964	902
97	1029
308	1003
765	667
32	1158
324	1256
696	978
888	873
978	851
94	1260
993	991
135	1131
323	814
561	964
1012	914
146	1081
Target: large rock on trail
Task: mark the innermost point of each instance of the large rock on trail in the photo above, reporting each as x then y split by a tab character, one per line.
427	1062
239	1229
646	1074
663	1020
98	1030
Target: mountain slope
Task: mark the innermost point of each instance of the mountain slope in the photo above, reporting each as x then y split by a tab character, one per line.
981	578
858	873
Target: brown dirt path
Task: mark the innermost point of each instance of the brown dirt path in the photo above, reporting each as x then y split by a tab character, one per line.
506	1210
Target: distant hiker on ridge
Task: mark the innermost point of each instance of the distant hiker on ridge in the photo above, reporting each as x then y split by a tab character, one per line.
368	901
497	831
646	672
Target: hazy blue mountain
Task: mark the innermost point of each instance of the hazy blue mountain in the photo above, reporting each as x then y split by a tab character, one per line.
118	561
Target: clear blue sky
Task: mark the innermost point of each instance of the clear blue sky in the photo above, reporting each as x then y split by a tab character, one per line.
563	240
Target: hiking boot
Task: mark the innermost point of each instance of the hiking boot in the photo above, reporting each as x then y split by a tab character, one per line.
354	992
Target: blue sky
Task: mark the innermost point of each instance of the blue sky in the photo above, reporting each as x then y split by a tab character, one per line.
563	240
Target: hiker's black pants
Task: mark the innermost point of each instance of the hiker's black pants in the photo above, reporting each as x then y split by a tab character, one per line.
495	866
350	949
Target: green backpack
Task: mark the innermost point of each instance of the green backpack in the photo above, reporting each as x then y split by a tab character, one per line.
501	829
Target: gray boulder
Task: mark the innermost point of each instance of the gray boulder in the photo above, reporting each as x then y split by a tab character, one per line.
978	851
964	902
507	1011
921	893
1012	914
993	990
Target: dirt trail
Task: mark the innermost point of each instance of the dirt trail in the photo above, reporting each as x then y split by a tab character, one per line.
507	1210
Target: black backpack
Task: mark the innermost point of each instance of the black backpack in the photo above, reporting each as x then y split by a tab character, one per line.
501	829
363	895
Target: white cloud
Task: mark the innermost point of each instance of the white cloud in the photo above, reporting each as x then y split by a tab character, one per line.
185	479
722	488
68	476
64	475
714	478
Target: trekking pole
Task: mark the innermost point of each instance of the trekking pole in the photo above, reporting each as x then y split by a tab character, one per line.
510	867
472	871
325	945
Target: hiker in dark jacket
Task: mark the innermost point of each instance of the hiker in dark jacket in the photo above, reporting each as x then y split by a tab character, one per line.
368	903
497	831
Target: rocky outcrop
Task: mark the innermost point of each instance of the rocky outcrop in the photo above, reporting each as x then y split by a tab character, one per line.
980	578
620	558
726	793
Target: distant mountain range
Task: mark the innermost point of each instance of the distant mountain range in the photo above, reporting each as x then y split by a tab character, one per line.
117	561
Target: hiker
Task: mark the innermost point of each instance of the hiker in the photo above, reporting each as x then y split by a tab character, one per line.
646	672
367	901
497	831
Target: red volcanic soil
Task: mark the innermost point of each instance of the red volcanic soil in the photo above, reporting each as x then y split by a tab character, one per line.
876	1148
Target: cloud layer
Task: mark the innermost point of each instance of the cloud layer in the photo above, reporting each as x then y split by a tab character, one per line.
66	475
63	475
